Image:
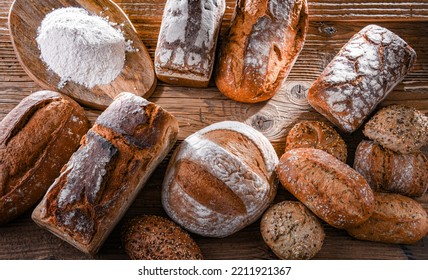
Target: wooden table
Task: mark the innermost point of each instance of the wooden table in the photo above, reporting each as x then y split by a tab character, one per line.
332	23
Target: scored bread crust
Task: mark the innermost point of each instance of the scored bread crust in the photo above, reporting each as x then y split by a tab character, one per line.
220	179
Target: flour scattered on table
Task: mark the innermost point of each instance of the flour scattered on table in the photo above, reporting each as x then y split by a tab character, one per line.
82	48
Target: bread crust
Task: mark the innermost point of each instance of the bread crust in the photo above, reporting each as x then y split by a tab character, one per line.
36	139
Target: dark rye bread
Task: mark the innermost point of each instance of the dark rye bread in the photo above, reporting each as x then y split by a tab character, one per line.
187	41
36	139
291	231
399	128
157	238
317	135
360	76
331	189
396	219
220	179
388	171
117	155
261	46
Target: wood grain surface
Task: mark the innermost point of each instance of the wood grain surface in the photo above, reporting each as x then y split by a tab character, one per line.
332	23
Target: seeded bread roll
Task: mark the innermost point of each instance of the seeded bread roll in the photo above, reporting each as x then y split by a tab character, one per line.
318	135
103	177
399	128
331	189
360	76
396	219
388	171
263	43
187	41
36	139
292	231
220	179
157	238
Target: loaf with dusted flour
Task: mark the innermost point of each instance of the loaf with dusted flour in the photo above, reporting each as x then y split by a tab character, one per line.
220	179
360	76
187	41
102	178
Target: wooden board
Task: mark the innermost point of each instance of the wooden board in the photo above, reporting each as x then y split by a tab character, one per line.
332	23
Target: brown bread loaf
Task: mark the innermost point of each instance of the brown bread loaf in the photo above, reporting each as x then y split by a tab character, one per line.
220	179
318	135
260	48
360	76
399	128
292	231
388	171
187	41
36	139
396	219
100	181
157	238
331	189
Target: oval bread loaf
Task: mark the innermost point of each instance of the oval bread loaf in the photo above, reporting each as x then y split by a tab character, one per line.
396	219
157	238
331	189
36	139
292	231
220	179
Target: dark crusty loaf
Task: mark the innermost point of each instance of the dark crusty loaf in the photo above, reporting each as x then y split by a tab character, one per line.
262	45
36	139
100	181
187	41
292	231
158	238
399	128
388	171
220	179
360	76
318	135
331	189
396	219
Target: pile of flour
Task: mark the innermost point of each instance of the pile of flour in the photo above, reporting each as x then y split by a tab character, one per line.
80	47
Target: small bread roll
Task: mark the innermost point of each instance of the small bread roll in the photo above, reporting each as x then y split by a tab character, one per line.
399	128
157	238
291	231
317	135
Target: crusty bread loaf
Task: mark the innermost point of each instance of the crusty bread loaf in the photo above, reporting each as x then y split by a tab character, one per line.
360	76
158	238
36	139
220	179
187	41
292	231
396	219
331	189
102	178
260	48
318	135
399	128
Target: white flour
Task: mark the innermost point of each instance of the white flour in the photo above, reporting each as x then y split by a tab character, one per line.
80	47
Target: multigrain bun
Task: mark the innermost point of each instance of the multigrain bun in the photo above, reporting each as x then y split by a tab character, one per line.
317	135
396	219
220	179
260	48
291	231
388	171
399	128
158	238
331	189
360	76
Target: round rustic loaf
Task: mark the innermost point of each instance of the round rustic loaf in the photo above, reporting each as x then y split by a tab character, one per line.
220	179
156	238
318	135
292	231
